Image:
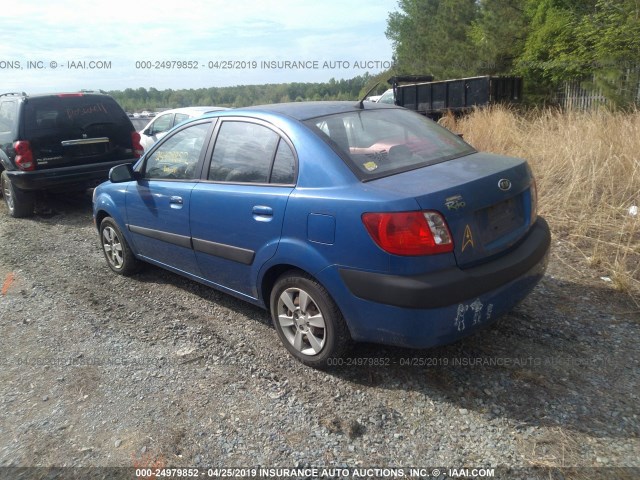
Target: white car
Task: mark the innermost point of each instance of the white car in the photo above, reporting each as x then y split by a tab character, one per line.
164	121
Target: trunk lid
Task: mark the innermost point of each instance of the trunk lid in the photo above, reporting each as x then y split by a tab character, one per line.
485	199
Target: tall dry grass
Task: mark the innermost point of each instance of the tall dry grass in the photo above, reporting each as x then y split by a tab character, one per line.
587	167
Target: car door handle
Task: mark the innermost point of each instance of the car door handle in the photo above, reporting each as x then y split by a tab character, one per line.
262	213
176	202
262	210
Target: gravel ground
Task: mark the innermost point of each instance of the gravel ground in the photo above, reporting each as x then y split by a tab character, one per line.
156	370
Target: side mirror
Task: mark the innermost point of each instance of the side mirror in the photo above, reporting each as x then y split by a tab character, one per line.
148	132
122	173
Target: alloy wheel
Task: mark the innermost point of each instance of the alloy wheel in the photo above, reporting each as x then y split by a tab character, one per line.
301	321
112	247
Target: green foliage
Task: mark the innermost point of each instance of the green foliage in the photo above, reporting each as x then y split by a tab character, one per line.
612	33
553	52
498	34
240	96
432	37
546	41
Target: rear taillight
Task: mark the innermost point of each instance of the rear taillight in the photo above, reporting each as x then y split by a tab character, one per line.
24	156
137	146
409	233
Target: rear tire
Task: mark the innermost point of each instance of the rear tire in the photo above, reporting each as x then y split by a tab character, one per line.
308	322
19	203
116	250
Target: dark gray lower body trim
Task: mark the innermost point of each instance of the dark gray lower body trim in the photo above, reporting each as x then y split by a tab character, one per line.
174	238
229	252
236	254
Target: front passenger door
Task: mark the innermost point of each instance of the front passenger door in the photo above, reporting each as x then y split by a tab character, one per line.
158	204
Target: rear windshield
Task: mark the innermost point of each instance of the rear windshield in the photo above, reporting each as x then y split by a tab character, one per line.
377	143
73	114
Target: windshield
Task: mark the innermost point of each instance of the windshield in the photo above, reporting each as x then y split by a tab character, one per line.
377	143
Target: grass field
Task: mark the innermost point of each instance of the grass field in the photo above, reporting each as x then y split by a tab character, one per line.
587	166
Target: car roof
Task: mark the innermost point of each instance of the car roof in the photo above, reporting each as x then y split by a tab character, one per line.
307	110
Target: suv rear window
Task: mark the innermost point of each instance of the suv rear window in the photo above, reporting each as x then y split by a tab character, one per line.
73	114
377	143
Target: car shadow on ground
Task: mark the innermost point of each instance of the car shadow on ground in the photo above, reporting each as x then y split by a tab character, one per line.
152	274
63	205
551	362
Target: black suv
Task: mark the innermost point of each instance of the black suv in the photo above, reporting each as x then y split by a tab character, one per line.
60	142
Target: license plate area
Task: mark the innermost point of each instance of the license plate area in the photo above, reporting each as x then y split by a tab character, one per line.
500	219
86	147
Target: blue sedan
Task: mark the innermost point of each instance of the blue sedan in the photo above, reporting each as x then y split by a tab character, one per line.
348	221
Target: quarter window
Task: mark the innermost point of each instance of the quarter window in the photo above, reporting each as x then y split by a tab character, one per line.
177	157
284	165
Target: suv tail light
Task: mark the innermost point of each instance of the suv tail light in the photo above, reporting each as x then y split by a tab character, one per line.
138	150
24	155
409	233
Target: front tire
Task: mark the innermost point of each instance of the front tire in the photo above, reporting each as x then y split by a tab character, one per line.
116	250
20	204
308	322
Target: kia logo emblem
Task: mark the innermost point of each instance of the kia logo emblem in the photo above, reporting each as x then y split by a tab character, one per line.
504	184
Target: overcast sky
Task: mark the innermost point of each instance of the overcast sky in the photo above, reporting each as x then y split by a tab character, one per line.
59	38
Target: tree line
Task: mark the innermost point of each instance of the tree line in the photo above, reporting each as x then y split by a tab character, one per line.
140	99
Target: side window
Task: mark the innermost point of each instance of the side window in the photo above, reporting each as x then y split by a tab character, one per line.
284	165
180	117
177	157
243	153
162	124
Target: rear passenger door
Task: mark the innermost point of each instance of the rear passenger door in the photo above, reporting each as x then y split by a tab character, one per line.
238	211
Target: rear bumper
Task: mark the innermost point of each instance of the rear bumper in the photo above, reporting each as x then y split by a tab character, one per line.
440	308
451	286
77	176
